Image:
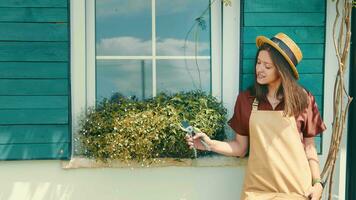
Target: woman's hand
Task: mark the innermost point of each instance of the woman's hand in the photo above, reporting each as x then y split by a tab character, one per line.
315	192
195	141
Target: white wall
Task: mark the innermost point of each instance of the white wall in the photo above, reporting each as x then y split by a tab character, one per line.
46	180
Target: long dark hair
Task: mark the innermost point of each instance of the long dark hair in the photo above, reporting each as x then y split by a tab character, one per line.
295	97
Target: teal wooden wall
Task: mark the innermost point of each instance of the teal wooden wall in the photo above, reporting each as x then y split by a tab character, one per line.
34	79
304	21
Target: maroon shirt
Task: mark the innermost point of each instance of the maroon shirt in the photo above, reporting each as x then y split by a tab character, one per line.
309	122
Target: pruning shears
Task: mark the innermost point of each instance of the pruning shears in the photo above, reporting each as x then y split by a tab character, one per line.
190	130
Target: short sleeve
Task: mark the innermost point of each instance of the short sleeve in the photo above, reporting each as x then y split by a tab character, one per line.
312	123
240	119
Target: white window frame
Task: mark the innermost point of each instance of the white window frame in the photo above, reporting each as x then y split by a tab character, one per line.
224	50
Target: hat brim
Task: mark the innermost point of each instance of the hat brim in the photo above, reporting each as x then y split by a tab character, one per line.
260	40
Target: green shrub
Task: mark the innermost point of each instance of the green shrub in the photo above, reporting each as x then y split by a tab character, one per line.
126	129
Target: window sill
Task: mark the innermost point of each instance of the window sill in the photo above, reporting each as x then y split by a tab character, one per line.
213	161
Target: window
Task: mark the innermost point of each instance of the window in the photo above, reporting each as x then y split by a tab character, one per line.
134	48
147	47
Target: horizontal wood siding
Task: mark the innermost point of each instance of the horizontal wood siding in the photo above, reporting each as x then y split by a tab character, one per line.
33	87
28	134
34	51
34	116
35	151
33	102
34	80
284	6
34	32
304	21
284	19
34	3
55	15
39	70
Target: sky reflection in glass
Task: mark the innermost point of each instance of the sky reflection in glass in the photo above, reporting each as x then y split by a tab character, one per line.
123	28
174	18
175	76
128	77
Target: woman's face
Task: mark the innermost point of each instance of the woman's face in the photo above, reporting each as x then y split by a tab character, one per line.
266	71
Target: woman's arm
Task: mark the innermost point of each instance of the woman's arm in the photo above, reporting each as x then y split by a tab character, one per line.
237	147
312	156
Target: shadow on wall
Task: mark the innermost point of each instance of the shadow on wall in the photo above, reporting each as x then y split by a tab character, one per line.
41	191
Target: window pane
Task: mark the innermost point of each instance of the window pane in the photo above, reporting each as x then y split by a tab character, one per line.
174	18
176	75
128	77
123	28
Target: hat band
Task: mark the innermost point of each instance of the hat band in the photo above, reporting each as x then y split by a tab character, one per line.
286	50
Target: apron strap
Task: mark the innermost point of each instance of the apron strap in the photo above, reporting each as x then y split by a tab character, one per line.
255	104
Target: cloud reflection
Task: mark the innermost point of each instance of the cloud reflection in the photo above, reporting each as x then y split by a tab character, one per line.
132	46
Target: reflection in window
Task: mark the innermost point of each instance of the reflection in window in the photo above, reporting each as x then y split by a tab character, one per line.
125	32
123	28
176	75
128	77
174	19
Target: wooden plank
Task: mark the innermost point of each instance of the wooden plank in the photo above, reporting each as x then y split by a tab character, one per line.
26	134
33	3
310	51
34	51
33	87
284	19
312	82
34	116
306	66
284	6
247	81
34	151
32	102
59	15
319	102
34	70
34	31
248	66
299	34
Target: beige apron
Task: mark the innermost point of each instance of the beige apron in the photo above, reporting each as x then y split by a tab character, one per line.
277	166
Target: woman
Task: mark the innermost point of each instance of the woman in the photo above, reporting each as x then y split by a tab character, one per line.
277	119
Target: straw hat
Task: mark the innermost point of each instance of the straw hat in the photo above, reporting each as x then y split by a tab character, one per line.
286	46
